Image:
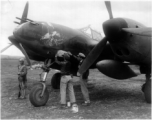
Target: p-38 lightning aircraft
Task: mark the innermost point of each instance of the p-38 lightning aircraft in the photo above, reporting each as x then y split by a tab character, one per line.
126	38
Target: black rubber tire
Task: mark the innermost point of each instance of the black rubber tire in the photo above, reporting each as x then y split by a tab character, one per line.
147	91
35	98
55	81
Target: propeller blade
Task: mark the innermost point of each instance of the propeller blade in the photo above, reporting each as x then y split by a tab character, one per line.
24	15
93	55
108	5
24	52
6	48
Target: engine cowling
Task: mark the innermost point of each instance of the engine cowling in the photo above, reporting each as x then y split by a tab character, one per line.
115	69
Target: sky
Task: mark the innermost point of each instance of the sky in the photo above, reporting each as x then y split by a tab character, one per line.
71	13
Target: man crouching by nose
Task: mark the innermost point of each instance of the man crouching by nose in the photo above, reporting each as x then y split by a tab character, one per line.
63	59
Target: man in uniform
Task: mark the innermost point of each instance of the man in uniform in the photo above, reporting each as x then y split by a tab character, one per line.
66	79
83	82
22	72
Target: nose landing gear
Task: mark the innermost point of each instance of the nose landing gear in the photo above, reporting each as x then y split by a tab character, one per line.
39	94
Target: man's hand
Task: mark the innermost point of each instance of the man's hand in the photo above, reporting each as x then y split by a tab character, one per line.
60	53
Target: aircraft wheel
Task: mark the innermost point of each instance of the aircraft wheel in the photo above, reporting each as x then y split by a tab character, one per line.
35	97
55	81
147	91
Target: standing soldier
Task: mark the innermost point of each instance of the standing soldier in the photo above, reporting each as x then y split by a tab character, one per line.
22	72
83	82
66	80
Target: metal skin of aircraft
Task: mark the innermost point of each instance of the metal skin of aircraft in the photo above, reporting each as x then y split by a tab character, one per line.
40	41
130	42
126	38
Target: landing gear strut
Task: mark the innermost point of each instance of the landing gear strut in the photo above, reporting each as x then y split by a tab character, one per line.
39	94
55	81
146	88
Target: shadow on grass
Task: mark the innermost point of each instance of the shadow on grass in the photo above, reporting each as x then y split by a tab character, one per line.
108	93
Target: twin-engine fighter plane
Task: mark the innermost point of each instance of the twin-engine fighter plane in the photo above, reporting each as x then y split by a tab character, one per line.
40	41
126	38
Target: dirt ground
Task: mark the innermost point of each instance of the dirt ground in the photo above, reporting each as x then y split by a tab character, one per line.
111	99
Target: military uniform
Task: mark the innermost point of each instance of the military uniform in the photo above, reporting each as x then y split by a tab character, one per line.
66	79
83	81
22	73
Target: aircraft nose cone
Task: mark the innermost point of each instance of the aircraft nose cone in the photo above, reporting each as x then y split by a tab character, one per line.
113	27
18	30
12	39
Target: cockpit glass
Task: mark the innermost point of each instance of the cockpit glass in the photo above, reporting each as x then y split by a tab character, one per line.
91	33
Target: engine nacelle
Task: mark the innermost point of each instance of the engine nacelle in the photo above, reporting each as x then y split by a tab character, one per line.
115	69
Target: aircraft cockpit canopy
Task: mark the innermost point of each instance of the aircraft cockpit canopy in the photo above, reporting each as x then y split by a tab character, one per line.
95	35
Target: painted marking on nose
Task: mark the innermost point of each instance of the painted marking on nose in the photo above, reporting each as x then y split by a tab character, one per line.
53	38
46	36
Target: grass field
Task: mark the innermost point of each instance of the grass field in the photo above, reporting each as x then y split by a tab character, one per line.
111	99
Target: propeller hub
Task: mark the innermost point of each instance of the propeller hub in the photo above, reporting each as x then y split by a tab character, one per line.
112	28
